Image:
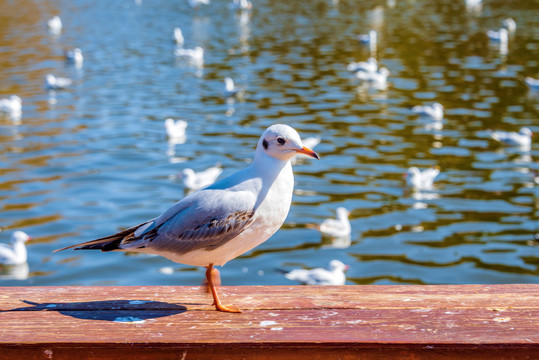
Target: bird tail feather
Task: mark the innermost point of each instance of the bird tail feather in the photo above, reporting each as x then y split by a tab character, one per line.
107	243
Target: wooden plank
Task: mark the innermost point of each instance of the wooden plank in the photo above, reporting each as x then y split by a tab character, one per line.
278	321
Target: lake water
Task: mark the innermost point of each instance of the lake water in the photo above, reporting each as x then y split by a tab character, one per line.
86	162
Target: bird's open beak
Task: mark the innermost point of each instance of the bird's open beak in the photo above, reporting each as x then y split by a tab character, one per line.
308	152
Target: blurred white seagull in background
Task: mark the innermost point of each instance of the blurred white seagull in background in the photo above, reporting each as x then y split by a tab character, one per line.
222	221
175	129
57	83
434	111
74	56
195	56
231	89
421	180
11	106
196	180
522	139
370	66
319	276
54	25
337	228
178	36
15	253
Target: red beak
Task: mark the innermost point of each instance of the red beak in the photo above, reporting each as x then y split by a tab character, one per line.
308	152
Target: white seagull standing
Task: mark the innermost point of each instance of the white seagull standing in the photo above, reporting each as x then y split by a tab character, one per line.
522	139
57	83
74	56
54	25
434	111
178	36
421	180
224	220
15	254
175	129
11	106
196	180
319	276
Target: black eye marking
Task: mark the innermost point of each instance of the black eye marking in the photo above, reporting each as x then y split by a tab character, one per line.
265	144
281	141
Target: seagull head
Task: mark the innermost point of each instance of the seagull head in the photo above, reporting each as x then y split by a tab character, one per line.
20	236
283	142
526	131
337	265
342	213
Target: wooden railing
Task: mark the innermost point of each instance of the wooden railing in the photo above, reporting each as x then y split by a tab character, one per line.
277	322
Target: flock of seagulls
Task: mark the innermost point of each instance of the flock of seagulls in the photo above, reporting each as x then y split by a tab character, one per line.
195	208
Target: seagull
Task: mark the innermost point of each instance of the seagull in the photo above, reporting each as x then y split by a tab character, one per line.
421	180
11	106
74	56
319	276
57	83
54	25
175	129
222	221
230	89
240	5
196	3
178	36
532	83
371	65
377	79
196	180
434	111
368	39
339	227
14	254
501	35
522	139
195	55
510	24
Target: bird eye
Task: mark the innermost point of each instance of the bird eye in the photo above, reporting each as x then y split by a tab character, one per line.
281	141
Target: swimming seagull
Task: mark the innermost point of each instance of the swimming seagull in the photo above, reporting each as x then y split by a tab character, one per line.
339	227
319	276
196	3
371	65
74	56
501	35
522	139
421	180
434	111
175	129
224	220
57	83
532	83
196	55
510	24
178	36
240	5
369	38
54	25
196	180
230	88
377	79
15	254
11	106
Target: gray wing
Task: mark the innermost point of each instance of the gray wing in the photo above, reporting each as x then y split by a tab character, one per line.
204	220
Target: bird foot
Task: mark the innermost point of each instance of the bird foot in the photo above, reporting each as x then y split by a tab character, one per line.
229	308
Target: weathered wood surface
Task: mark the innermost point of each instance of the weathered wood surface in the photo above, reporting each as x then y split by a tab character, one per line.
290	322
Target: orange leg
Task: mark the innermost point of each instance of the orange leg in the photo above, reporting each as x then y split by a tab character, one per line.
216	301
